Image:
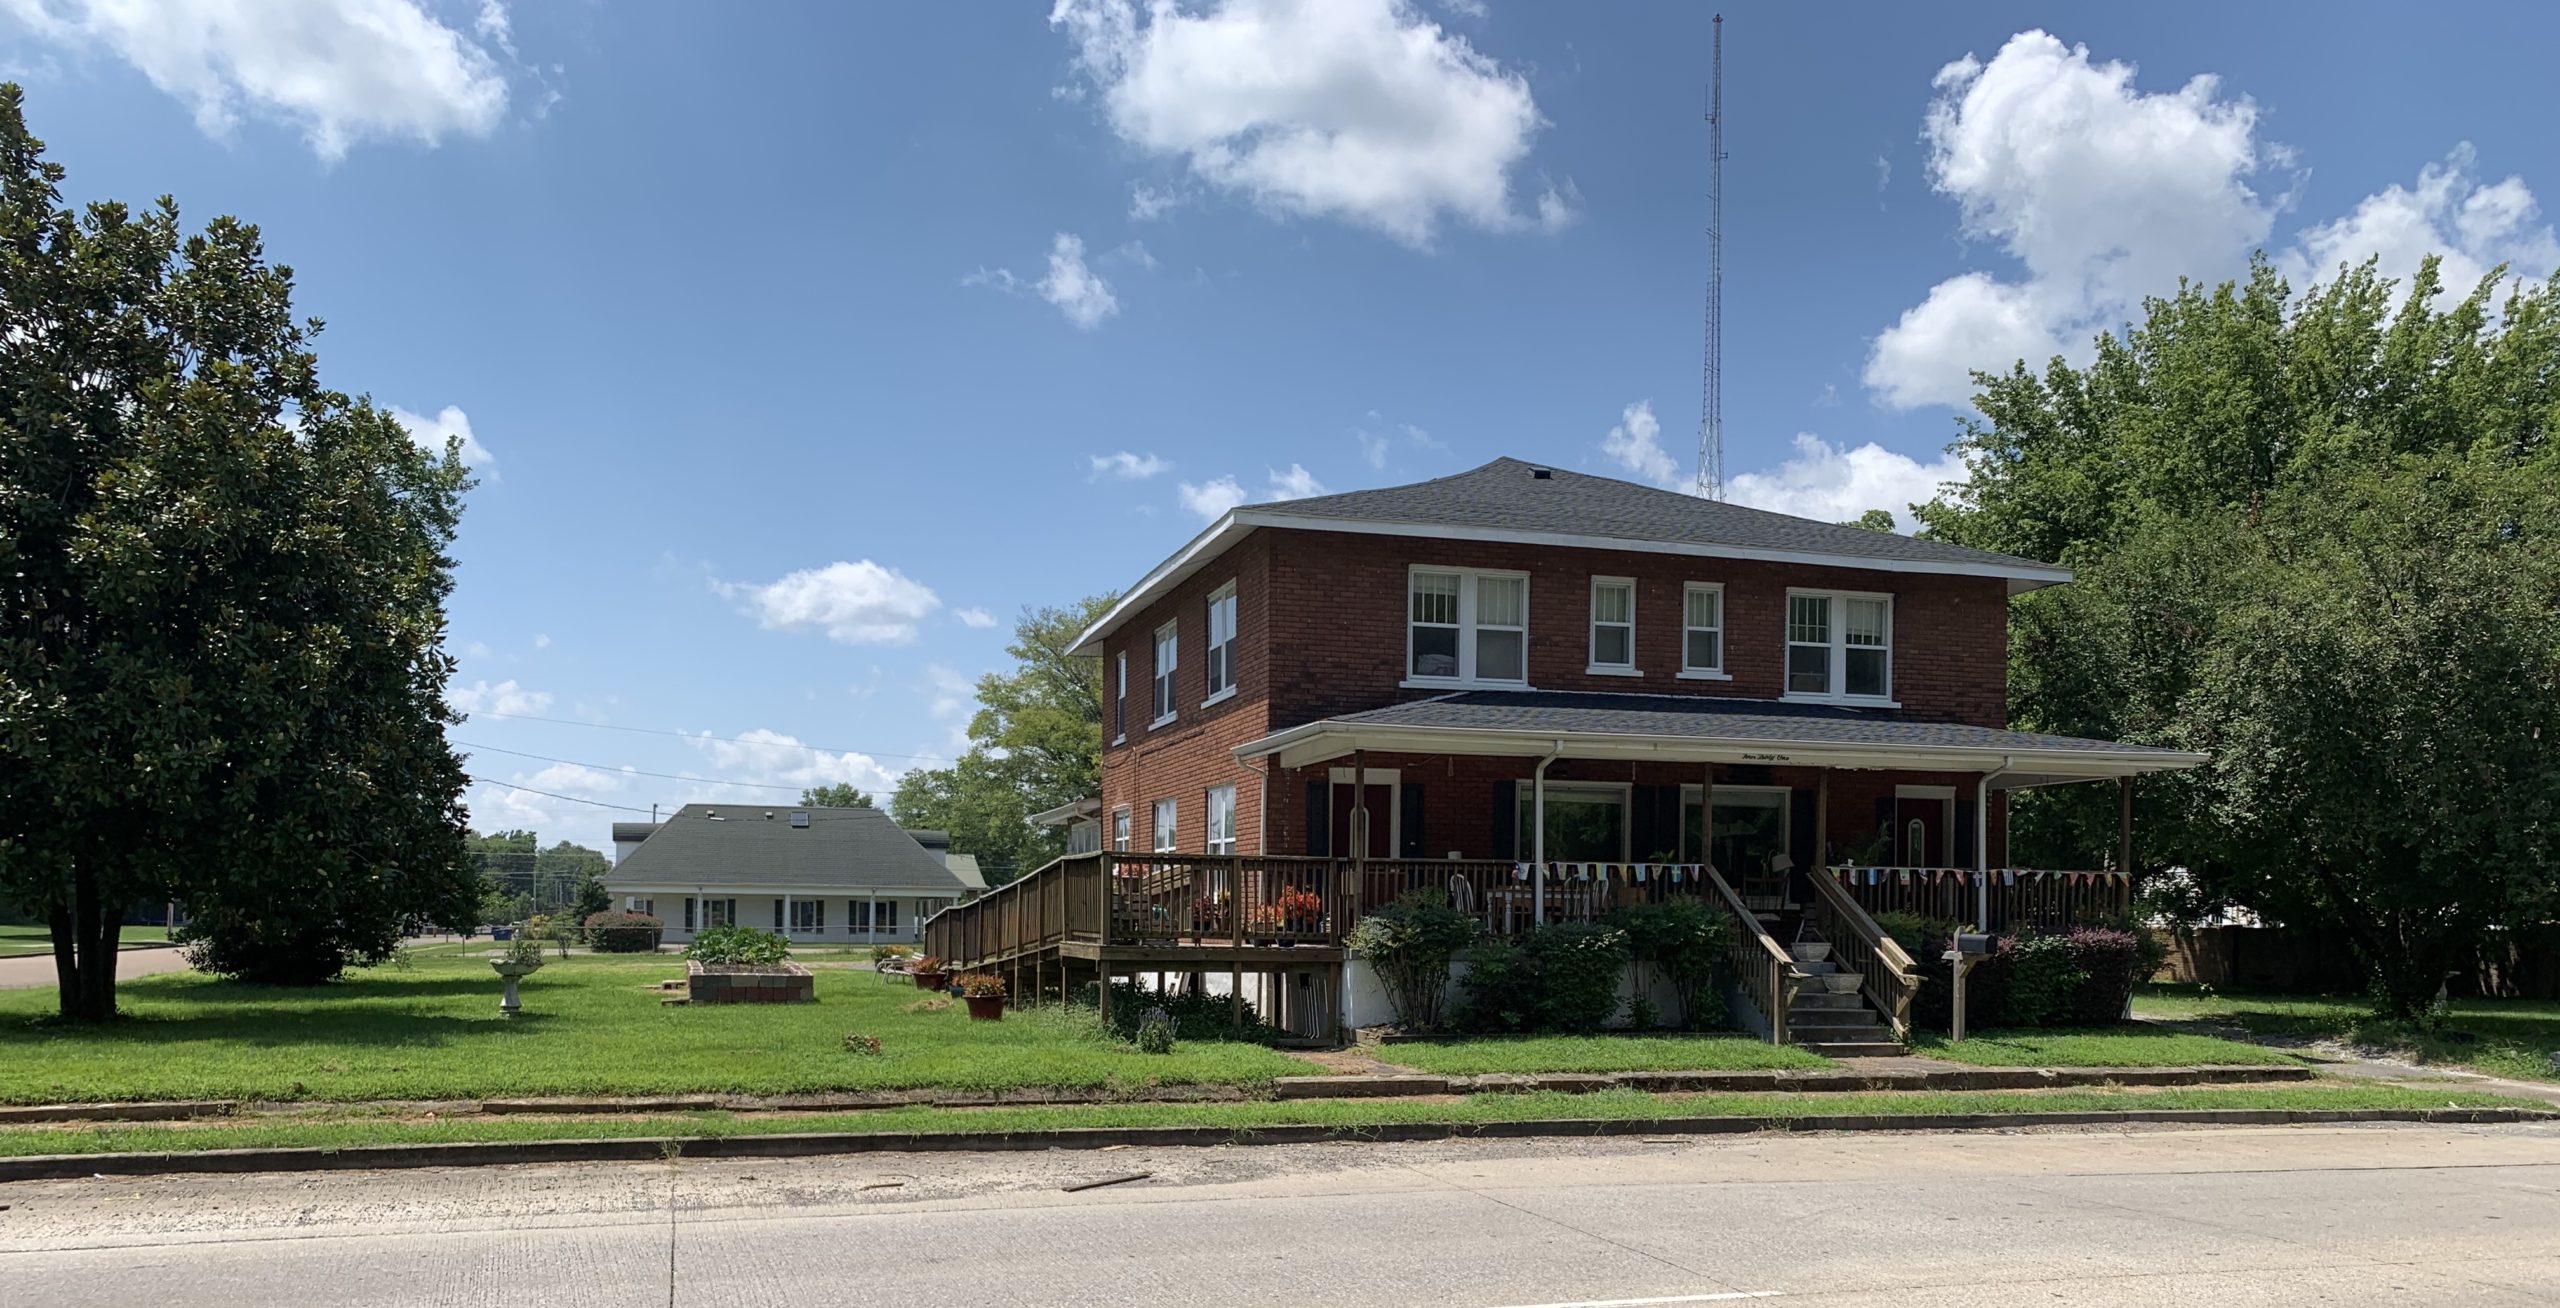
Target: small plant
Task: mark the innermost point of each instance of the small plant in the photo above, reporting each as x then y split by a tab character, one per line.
1155	1032
1642	1015
1303	910
523	950
738	946
866	1046
981	985
928	965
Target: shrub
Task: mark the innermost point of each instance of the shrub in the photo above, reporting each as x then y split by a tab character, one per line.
1410	944
981	985
1155	1032
1920	935
1684	940
613	932
261	953
2044	979
865	1045
1560	977
2110	964
1194	1017
1500	991
738	946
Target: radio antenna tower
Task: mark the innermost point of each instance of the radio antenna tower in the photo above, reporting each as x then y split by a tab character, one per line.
1711	404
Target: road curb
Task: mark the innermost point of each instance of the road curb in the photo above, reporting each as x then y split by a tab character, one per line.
820	1144
169	1110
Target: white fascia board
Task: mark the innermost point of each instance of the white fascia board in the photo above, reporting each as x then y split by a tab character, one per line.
1316	742
1205	547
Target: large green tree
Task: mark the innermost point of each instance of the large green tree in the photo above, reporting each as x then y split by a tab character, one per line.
836	794
2314	538
222	598
1035	743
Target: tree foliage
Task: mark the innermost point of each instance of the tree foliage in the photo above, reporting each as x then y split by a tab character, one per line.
836	794
1035	743
221	603
2319	539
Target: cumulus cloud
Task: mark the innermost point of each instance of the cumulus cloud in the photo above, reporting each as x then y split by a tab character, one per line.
1826	482
504	697
1071	284
450	423
1128	465
1213	498
857	603
2476	226
769	758
976	619
342	71
1364	111
1635	445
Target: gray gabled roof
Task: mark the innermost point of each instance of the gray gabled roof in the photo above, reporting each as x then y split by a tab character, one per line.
845	849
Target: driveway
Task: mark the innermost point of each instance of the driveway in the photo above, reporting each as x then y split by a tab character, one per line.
29	971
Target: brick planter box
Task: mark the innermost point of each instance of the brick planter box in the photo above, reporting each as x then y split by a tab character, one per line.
727	983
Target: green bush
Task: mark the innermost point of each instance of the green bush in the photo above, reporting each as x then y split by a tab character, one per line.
2044	979
2109	963
1562	977
1410	944
1194	1017
624	933
1685	941
1500	990
1155	1032
738	946
1920	935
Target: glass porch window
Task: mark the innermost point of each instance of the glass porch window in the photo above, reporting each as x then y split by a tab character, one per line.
1583	826
1751	830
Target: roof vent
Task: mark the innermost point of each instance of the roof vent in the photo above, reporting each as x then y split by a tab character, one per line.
799	818
768	815
1542	474
713	814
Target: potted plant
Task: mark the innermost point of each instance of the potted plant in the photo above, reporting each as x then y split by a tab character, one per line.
1302	911
928	972
520	959
1209	915
984	993
1263	922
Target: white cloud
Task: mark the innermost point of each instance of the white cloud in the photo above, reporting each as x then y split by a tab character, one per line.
1295	484
770	758
575	778
1128	465
504	697
343	71
542	640
1373	449
1071	284
1828	483
1635	445
450	421
1465	8
1377	446
1213	498
857	603
976	619
2475	226
1364	111
1151	202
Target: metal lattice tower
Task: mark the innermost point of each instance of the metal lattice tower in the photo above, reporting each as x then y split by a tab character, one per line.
1711	402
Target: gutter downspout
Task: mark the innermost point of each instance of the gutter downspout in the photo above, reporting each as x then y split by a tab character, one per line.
1982	845
1538	836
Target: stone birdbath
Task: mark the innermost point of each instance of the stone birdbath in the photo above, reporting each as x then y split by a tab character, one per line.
515	965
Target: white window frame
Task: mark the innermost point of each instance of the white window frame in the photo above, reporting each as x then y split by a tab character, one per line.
1221	657
1120	704
1689	671
1168	660
1838	645
1467	628
1525	832
1165	827
809	915
1220	804
1120	823
1628	668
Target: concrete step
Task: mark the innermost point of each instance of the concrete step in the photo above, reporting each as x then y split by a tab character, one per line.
1816	998
1852	1049
1831	1017
1835	1035
1823	968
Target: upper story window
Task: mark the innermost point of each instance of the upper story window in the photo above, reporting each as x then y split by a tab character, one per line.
1222	819
1839	646
1702	630
1467	626
1165	651
1613	625
1222	643
1163	833
1120	702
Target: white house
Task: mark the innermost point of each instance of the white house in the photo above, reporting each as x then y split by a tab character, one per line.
813	874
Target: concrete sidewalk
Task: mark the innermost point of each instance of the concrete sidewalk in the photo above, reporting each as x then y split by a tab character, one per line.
34	971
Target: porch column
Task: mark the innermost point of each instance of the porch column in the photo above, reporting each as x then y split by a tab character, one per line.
1359	829
1537	844
1707	816
786	915
1982	852
2124	827
1822	822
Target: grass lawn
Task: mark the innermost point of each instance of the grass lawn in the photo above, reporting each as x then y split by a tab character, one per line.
2109	1046
1671	1053
2499	1037
338	1130
15	940
591	1025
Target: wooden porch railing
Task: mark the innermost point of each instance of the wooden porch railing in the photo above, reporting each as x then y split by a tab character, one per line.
2042	898
1761	966
1859	945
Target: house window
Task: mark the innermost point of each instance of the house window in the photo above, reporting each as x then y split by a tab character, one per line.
1839	646
1702	630
1163	832
886	918
1222	642
857	914
718	913
1222	819
808	915
1120	702
1584	824
1120	829
1613	624
1751	830
1164	674
1467	626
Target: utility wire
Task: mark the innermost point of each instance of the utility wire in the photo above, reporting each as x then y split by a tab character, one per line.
687	735
574	799
633	772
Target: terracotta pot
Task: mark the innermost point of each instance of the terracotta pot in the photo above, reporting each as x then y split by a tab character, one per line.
988	1009
931	980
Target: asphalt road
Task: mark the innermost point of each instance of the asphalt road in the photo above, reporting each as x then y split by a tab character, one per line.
2255	1217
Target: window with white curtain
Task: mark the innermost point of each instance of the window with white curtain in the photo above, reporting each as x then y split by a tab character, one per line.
1165	652
1120	829
1839	646
1702	630
1163	833
1464	626
1222	642
1222	819
1613	624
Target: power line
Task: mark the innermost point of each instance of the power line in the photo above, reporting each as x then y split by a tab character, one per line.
574	799
687	735
633	772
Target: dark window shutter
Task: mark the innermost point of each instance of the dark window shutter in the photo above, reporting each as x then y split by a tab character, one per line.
778	923
1666	823
1961	839
688	913
1319	818
1506	820
1800	839
1885	827
1412	844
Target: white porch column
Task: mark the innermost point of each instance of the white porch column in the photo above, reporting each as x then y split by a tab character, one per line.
871	924
1538	842
786	915
1982	853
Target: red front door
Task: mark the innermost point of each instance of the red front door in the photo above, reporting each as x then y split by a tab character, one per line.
1920	832
1381	819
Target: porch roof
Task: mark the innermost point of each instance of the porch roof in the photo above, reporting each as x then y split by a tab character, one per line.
1706	729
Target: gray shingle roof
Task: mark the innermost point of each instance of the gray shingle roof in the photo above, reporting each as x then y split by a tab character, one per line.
1507	494
1705	717
739	845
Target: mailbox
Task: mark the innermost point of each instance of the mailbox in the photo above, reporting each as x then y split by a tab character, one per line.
1973	944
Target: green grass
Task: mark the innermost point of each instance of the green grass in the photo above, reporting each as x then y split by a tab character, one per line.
1716	1053
16	940
2113	1046
591	1025
2498	1037
340	1131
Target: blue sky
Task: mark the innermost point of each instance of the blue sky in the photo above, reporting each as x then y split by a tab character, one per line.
802	346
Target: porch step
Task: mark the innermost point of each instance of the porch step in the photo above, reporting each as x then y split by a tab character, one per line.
1852	1048
1827	1017
1824	968
1825	999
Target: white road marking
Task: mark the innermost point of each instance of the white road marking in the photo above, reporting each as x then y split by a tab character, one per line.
1668	1298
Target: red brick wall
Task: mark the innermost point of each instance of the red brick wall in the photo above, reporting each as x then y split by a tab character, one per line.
1338	599
1182	759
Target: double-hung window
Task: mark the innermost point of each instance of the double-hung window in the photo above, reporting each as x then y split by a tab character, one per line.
1222	819
1702	630
1613	626
1120	702
1839	646
1222	643
1165	650
1464	626
808	915
1120	829
1163	832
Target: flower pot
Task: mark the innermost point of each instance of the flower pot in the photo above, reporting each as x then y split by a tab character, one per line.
512	970
1842	983
1810	951
988	1009
930	980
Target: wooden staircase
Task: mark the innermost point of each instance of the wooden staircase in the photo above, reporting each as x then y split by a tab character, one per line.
1836	1026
